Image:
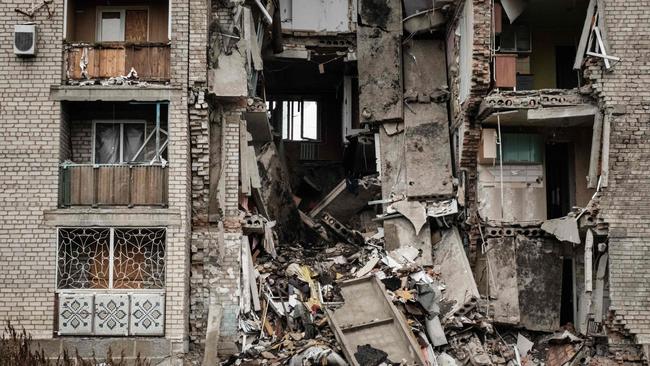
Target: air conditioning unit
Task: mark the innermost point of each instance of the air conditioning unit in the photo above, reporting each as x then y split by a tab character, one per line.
25	39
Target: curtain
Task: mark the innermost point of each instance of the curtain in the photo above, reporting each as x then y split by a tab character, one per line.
133	140
107	143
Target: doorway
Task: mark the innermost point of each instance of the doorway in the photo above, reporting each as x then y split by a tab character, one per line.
566	306
557	179
566	76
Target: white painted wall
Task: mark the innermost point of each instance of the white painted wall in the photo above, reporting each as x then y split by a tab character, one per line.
315	15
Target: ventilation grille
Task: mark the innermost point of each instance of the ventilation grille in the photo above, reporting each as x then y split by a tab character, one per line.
24	41
308	151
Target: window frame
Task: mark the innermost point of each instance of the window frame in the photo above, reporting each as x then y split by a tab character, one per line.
121	122
111	266
122	10
319	112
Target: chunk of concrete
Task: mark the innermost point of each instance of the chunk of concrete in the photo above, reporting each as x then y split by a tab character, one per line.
229	79
460	294
414	211
563	228
383	14
399	232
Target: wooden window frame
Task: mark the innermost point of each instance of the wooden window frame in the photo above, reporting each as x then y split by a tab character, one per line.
122	10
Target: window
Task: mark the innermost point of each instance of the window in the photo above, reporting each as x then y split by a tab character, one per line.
122	24
521	148
118	142
110	281
111	258
515	39
111	26
300	120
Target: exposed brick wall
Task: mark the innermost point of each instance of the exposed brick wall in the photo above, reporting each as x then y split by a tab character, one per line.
463	115
29	156
34	136
626	200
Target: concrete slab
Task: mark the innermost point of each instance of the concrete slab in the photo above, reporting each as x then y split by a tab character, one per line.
428	155
379	61
503	279
229	79
451	261
539	275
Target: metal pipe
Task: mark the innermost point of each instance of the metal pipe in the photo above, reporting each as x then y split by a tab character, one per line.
157	131
266	14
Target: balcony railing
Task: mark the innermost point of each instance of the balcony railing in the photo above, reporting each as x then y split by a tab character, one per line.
106	60
112	185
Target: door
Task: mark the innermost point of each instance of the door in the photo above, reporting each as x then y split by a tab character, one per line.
557	179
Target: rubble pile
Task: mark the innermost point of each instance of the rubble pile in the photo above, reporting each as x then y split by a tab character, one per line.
347	299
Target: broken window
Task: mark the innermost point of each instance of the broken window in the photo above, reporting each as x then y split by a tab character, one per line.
515	39
118	142
300	120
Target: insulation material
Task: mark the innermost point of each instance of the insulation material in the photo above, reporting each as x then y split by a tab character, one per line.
428	156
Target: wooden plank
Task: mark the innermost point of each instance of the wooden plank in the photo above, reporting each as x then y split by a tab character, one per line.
110	62
81	183
73	59
604	173
113	185
505	71
584	37
135	25
497	18
147	185
596	143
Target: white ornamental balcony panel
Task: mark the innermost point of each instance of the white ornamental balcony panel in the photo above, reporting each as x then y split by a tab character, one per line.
147	314
75	314
111	314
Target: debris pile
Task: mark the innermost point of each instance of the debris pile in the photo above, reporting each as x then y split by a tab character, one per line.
345	298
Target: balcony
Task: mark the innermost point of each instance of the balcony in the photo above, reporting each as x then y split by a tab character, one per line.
113	154
106	60
116	42
113	185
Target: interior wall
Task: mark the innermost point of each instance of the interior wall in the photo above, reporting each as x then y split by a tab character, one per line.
83	22
524	198
542	59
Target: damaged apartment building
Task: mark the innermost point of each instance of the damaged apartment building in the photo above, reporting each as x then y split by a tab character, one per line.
364	182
